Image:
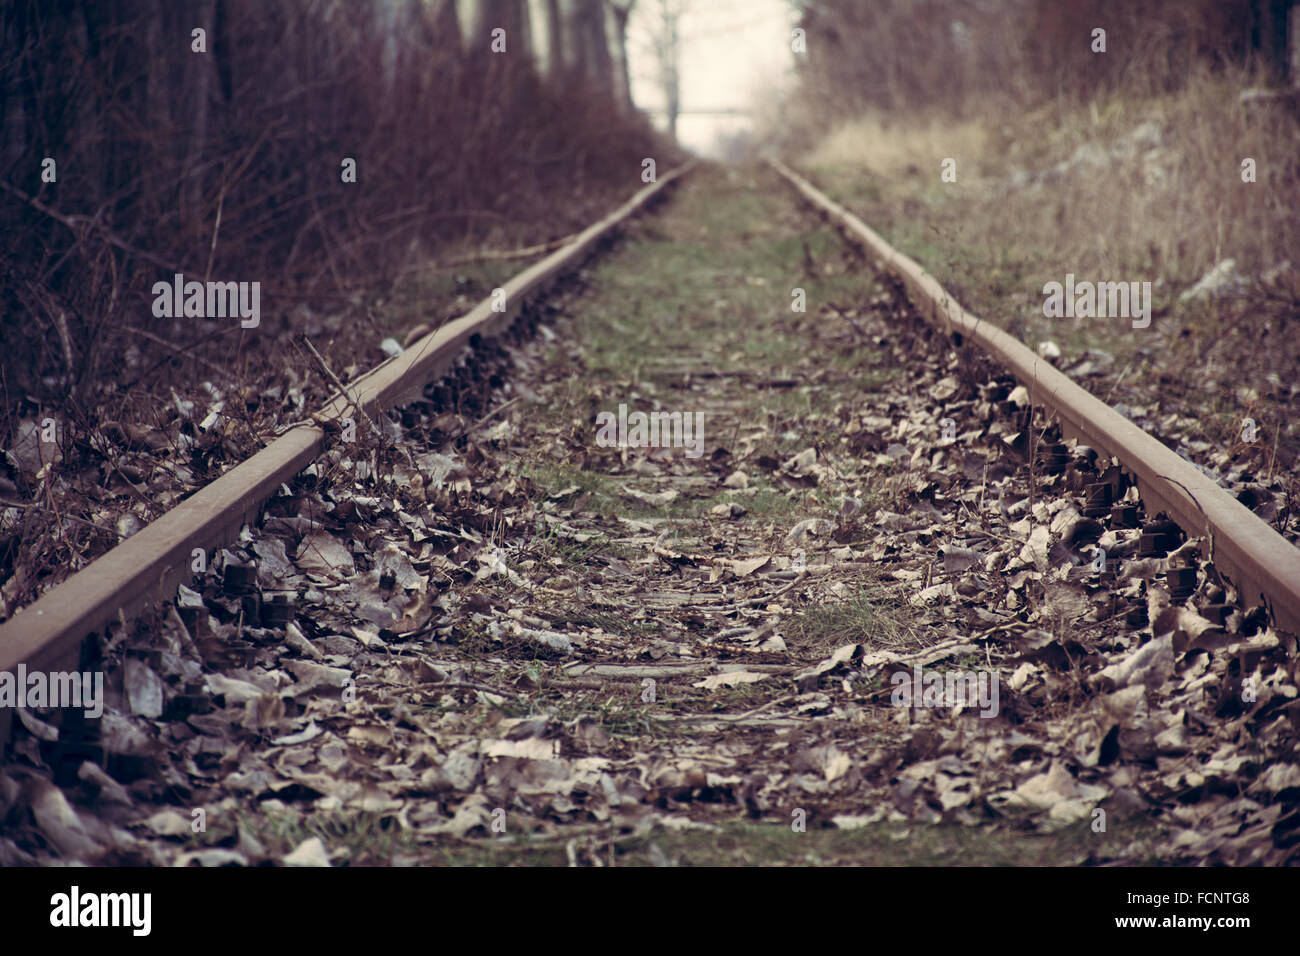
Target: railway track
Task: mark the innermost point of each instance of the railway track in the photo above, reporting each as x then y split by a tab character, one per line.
540	670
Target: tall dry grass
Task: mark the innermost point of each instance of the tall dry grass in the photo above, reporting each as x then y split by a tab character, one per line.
1164	206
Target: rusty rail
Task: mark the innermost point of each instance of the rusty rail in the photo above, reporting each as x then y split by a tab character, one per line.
1262	564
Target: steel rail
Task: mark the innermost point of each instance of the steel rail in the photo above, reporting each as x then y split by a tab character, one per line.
1264	566
49	633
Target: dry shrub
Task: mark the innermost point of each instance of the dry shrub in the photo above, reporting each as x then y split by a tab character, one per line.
227	164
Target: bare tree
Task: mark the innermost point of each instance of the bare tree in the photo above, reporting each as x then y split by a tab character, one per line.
663	25
620	11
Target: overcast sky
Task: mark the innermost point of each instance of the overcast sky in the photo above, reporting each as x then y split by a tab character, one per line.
731	51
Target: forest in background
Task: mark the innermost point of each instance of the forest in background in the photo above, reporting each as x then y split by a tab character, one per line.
964	56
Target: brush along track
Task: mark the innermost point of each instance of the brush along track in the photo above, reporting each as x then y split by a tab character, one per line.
48	634
529	646
1264	566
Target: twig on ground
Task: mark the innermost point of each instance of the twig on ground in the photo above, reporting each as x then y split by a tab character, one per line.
498	254
478	424
858	330
343	389
178	349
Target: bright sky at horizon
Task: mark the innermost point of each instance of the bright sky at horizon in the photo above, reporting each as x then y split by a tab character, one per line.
733	52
